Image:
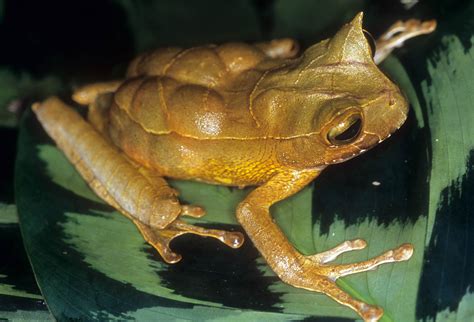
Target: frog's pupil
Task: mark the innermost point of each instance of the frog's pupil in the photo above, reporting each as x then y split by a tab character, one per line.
351	132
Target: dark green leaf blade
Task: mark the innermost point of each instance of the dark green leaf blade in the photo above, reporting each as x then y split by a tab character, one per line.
445	84
20	298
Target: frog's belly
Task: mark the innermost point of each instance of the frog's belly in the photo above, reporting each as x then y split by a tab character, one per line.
221	161
218	162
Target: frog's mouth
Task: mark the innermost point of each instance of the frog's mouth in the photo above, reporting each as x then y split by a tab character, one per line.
383	119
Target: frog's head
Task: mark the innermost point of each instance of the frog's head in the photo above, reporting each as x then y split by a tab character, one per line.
367	107
335	96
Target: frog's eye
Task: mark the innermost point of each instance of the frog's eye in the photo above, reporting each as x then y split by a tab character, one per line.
346	131
371	42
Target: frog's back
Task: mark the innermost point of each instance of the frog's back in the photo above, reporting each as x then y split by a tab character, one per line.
201	92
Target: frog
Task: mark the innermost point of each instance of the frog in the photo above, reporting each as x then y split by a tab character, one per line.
259	115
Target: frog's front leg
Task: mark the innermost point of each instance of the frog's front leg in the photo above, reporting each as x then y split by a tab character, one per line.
308	272
144	198
87	94
398	33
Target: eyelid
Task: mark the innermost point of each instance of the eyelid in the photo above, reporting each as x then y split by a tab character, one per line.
337	120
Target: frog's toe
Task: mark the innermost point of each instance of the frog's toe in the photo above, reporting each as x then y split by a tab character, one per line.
368	312
313	273
160	239
192	211
168	255
399	254
332	254
230	238
403	252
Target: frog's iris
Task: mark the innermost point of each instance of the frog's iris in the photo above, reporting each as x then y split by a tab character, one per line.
346	131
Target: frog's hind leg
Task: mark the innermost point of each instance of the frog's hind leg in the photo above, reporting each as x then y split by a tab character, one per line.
398	33
161	239
146	199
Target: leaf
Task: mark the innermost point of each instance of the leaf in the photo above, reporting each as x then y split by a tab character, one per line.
446	84
19	296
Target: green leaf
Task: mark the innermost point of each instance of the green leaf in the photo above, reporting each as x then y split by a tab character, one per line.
19	296
8	214
12	283
445	84
464	311
450	97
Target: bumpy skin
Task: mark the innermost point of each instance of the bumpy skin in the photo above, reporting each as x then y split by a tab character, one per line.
239	115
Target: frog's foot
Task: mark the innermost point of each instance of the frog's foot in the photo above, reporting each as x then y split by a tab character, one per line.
192	211
401	253
87	94
160	239
280	48
322	276
398	33
333	253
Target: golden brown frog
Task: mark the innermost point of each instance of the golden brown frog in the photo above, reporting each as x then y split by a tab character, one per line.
237	115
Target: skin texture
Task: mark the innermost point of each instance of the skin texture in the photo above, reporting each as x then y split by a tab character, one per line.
236	115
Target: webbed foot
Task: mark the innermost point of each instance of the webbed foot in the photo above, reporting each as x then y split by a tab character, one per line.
320	276
398	33
160	239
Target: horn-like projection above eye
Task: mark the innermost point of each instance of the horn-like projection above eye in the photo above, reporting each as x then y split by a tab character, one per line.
349	44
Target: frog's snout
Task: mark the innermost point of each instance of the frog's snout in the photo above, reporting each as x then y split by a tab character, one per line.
383	117
398	105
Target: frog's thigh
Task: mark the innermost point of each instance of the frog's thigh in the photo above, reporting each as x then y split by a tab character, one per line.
104	168
144	198
157	180
308	272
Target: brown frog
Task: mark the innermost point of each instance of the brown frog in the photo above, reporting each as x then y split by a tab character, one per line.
238	115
